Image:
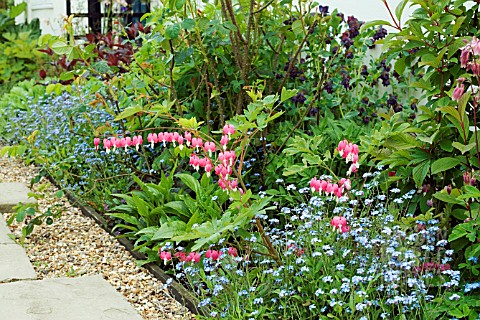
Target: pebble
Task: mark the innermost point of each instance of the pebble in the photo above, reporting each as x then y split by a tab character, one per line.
75	245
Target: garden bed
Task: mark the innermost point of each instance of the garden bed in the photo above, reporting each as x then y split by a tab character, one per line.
262	156
75	245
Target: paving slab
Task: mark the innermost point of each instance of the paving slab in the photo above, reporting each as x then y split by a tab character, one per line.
83	298
12	193
14	264
4	231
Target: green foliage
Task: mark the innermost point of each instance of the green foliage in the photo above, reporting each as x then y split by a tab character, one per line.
30	215
435	151
19	58
431	152
459	306
193	217
309	155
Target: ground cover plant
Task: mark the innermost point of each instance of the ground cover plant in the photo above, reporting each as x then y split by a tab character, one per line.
255	153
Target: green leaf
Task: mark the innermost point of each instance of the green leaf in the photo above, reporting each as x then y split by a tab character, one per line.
462	230
20	216
456	313
297	28
17	10
287	94
428	59
142	206
451	111
475	252
65	76
179	4
462	103
401	141
463	148
170	229
458	24
128	112
125	217
399	9
188	24
473	191
53	87
444	164
294	169
59	194
61	47
189	124
445	197
420	172
400	65
373	23
422	84
172	31
179	208
190	182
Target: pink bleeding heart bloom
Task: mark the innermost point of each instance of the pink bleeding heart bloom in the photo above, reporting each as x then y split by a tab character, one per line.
188	137
233	184
222	184
346	183
233	251
168	136
341	147
230	156
152	138
202	162
113	142
137	141
181	256
221	158
209	147
194	257
119	143
175	136
127	142
161	138
353	168
337	191
224	142
340	223
315	185
165	256
96	142
197	143
180	142
107	145
208	168
228	129
194	161
213	254
458	92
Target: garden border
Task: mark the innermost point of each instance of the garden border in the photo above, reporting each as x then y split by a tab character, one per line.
178	292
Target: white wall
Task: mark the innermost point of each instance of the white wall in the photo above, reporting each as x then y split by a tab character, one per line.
50	13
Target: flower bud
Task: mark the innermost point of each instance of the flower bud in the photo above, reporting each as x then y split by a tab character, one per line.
449	189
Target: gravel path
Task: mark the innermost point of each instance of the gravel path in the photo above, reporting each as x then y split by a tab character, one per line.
75	245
